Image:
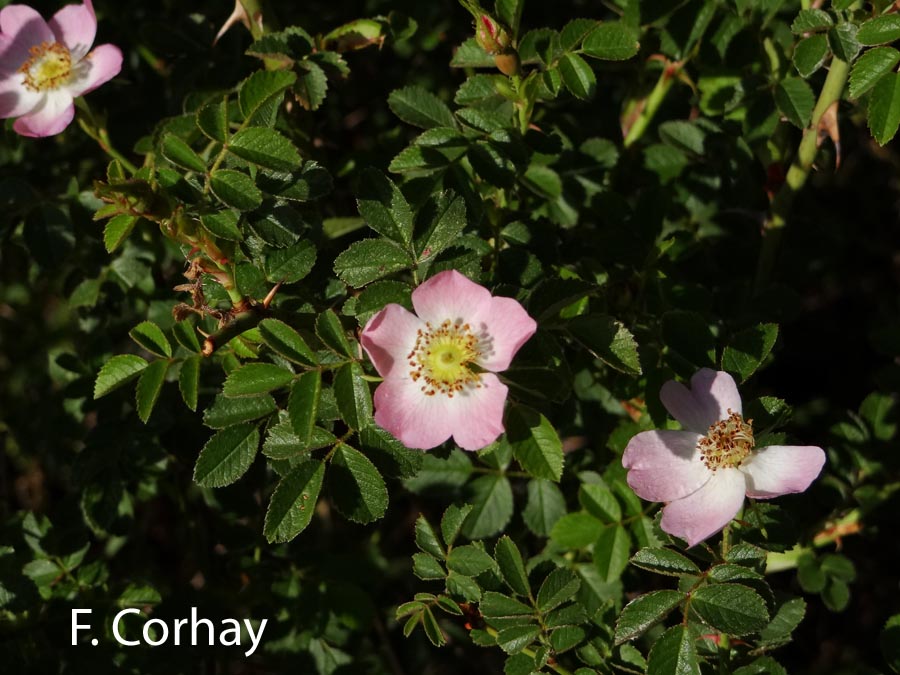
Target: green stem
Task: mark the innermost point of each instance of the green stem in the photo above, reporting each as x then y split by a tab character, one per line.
92	128
798	173
652	103
555	667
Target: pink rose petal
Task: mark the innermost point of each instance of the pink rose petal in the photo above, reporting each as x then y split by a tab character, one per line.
15	19
451	295
105	62
508	327
706	511
711	395
416	420
75	26
53	115
782	469
665	465
16	101
476	415
388	338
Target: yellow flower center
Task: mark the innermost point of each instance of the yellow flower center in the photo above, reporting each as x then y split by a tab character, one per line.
49	67
442	356
727	443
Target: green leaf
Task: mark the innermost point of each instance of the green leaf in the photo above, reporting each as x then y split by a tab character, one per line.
611	41
609	341
611	551
387	453
304	403
235	189
310	183
357	488
432	629
149	336
117	371
446	223
384	207
212	119
843	41
149	386
599	501
545	505
510	14
578	76
498	606
266	148
253	379
884	108
560	586
290	265
117	230
452	522
514	639
332	333
282	443
535	443
748	349
811	20
870	68
312	86
512	567
644	612
353	396
492	506
223	224
469	560
293	503
370	259
674	654
225	412
787	617
880	30
572	34
180	154
284	340
664	561
427	539
419	107
810	54
227	456
136	595
427	567
576	530
730	608
263	88
189	380
795	99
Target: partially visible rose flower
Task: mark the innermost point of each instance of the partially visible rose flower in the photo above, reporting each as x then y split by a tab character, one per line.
44	65
705	471
438	364
491	35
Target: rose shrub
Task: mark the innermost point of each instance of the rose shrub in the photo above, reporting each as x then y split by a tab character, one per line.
385	321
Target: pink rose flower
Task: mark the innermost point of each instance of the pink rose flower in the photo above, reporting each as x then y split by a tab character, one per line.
44	66
438	364
705	471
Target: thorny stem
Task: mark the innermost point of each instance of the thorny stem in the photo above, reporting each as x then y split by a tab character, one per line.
555	667
798	173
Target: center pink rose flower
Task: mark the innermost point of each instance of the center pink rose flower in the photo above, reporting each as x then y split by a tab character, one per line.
438	364
45	65
705	471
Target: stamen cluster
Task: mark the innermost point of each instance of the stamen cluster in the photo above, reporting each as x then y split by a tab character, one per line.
441	358
727	443
49	67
